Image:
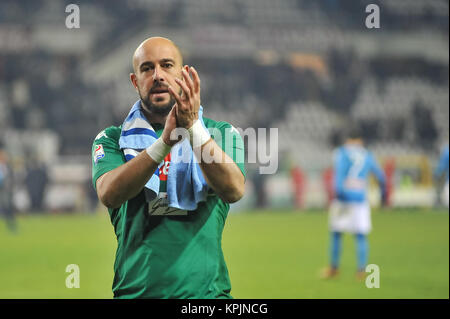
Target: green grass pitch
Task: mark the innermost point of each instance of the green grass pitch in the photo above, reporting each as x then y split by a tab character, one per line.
269	255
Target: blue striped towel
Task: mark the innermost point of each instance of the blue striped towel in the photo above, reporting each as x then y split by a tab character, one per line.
186	186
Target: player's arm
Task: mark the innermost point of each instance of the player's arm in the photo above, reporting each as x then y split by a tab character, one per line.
442	165
222	174
126	181
377	171
380	176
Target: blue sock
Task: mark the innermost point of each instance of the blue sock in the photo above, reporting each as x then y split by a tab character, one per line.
362	250
335	251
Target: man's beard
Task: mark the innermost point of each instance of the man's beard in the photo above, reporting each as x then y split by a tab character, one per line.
150	107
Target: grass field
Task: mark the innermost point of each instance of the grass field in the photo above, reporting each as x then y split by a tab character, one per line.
269	255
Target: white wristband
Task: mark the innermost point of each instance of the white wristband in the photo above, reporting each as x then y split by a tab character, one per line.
198	135
158	150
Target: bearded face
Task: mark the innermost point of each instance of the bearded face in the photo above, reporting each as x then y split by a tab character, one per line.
157	62
158	100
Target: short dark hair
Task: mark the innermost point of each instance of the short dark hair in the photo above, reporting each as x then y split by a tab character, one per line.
354	131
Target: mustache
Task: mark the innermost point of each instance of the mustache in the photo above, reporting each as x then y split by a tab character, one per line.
158	86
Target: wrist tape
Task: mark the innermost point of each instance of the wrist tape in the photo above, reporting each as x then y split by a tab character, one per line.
158	150
198	135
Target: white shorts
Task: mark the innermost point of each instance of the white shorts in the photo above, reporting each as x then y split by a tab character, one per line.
444	195
350	217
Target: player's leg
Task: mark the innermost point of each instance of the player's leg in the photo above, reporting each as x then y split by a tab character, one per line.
337	221
335	254
6	210
335	250
11	220
362	251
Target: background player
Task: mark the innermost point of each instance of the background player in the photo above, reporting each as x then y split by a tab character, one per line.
442	169
6	190
350	210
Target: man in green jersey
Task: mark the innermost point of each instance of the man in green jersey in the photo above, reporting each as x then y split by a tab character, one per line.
163	251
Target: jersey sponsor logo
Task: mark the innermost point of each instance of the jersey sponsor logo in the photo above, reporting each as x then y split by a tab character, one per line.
164	169
99	153
100	135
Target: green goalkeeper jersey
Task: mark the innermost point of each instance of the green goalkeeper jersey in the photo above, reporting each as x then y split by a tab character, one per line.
168	256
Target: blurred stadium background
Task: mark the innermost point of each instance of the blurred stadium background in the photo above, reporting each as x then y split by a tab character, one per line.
308	68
